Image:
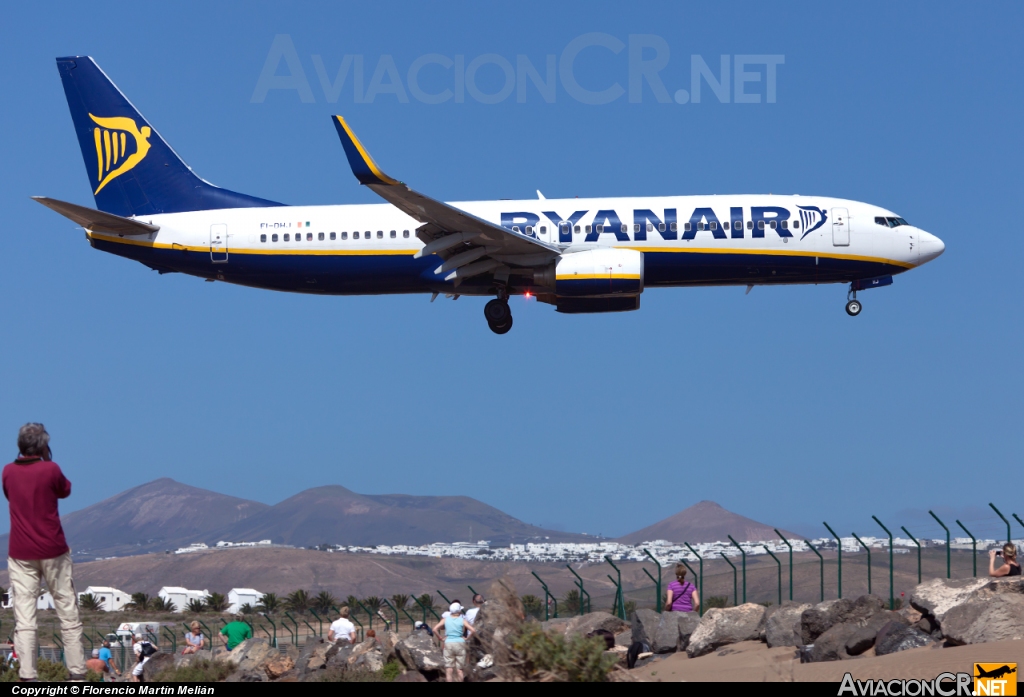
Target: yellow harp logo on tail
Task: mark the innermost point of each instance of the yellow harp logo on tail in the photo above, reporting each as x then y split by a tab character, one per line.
112	147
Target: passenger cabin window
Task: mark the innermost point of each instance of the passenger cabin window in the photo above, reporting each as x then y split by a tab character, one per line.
320	236
796	224
672	226
577	228
366	235
624	228
714	225
587	229
380	234
334	235
355	235
774	225
687	227
344	235
309	236
263	238
543	229
785	224
405	233
750	225
760	225
700	226
273	238
394	234
286	237
515	228
636	227
600	229
529	229
725	225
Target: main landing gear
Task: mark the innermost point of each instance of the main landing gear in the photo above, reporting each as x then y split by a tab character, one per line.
853	306
498	315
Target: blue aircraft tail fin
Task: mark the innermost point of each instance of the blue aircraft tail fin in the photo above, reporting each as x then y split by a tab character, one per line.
132	170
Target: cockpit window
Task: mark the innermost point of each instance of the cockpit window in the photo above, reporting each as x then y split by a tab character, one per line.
890	222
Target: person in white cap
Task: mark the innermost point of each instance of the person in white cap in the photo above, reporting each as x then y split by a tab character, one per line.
456	629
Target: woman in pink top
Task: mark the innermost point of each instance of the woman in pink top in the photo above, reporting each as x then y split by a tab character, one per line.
682	595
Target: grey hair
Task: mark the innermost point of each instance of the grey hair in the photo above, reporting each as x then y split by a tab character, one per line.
33	440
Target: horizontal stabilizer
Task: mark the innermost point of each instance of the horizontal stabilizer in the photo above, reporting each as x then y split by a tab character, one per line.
97	221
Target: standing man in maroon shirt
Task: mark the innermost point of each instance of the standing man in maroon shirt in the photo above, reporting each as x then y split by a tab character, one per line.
37	550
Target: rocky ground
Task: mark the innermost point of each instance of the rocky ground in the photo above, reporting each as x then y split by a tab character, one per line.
948	626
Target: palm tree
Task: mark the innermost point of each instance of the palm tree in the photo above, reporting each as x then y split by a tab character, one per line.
88	601
247	609
399	600
532	605
426	600
351	601
269	604
140	602
196	605
217	602
164	605
372	603
571	601
298	601
324	601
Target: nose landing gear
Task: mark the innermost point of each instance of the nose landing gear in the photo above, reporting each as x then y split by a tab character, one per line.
853	306
498	315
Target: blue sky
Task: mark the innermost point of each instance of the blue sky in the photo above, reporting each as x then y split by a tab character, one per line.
776	404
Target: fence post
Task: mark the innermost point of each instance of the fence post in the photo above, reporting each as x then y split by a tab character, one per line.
918	552
394	610
369	614
868	550
821	562
948	564
999	513
618	585
447	602
657	582
547	595
839	556
700	561
735	597
425	609
1015	517
892	602
583	592
319	622
974	548
173	638
790	562
779	564
744	555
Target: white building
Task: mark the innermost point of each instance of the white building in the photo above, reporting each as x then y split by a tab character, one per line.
181	596
110	599
237	597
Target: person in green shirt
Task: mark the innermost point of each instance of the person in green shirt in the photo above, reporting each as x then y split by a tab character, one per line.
234	633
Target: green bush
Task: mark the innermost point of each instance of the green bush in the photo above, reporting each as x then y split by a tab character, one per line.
716	601
391	671
552	656
198	671
48	671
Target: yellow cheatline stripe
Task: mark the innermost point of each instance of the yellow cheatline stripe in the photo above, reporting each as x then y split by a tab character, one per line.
264	252
366	156
99	155
774	253
600	277
106	147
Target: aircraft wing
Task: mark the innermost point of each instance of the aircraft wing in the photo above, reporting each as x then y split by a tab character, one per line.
469	245
97	221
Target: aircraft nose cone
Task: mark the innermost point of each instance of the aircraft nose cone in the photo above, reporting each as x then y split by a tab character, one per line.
929	247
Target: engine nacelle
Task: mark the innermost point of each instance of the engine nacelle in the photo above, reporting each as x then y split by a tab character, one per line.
600	273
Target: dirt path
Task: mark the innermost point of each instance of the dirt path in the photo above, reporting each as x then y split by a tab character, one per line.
752	661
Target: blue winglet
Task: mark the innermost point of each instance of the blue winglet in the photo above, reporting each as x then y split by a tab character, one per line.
363	166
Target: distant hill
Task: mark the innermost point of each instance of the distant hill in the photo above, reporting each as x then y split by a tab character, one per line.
704	522
336	515
163	514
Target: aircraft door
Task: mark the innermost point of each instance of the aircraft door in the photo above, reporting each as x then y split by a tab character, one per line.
219	244
840	227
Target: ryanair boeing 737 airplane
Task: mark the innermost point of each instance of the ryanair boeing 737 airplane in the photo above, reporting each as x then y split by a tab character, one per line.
580	255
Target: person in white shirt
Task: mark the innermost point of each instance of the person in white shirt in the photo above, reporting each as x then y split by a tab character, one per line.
342	629
478	602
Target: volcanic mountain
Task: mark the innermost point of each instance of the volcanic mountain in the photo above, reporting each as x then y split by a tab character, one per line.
705	522
336	515
163	514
